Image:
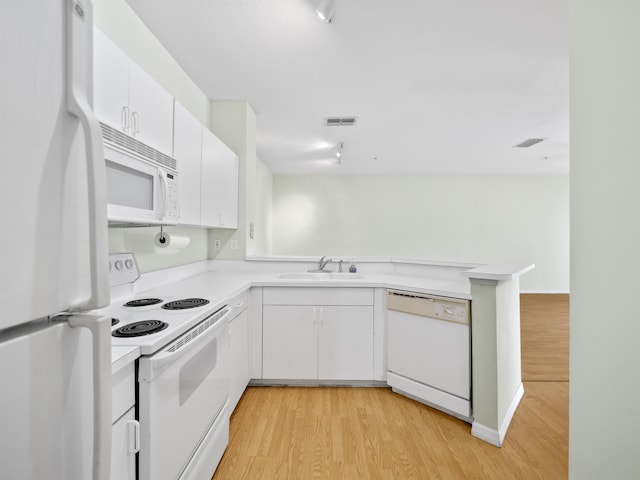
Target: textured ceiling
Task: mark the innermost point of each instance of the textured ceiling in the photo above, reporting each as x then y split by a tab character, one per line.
445	87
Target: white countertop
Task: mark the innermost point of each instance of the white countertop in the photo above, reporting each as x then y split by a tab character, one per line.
223	285
122	356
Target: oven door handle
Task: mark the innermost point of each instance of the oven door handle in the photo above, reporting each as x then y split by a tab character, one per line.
187	343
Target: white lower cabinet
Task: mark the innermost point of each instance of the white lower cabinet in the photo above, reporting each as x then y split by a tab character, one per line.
125	431
318	334
239	350
123	459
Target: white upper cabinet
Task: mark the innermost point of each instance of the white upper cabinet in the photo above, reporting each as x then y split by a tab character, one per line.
219	183
187	150
128	99
208	174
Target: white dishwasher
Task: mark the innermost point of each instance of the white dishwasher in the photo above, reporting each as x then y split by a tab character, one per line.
429	350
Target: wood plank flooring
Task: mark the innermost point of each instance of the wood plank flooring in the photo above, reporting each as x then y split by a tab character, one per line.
544	327
372	433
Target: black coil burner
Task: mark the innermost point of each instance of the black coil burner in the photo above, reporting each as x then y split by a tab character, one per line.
185	303
137	329
114	321
143	302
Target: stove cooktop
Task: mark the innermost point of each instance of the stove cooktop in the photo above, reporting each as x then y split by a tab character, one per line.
146	322
138	329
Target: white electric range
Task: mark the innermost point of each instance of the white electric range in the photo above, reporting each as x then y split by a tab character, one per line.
182	374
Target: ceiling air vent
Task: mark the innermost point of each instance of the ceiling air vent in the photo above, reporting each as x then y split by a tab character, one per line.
339	121
529	142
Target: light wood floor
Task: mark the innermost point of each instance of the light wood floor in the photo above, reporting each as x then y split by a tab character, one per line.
544	327
371	433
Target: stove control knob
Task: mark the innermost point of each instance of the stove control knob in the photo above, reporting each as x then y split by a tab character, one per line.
119	264
128	263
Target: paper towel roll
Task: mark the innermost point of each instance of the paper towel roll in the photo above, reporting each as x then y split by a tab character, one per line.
171	240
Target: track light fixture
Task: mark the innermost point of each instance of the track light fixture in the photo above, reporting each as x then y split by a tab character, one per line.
325	10
339	153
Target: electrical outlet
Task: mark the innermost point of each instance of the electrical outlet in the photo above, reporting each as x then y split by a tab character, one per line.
216	244
234	244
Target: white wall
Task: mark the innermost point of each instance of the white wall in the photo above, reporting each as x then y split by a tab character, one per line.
456	218
263	238
605	240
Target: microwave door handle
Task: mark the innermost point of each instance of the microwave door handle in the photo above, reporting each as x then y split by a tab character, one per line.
79	81
165	192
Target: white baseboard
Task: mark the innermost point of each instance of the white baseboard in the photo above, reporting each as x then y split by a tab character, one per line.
491	435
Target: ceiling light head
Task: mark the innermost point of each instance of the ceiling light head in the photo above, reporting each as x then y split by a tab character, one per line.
529	142
325	10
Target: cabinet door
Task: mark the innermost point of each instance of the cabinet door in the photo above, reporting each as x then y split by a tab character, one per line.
228	168
345	343
239	352
187	150
219	183
290	342
151	111
110	82
123	457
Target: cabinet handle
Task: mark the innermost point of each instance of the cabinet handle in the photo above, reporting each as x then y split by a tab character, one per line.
134	436
135	123
124	118
321	316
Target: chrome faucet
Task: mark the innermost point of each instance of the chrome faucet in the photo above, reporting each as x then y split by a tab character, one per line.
323	263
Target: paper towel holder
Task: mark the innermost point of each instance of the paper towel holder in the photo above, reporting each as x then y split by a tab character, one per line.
162	238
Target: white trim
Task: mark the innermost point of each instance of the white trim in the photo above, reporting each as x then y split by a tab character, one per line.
491	435
487	434
506	421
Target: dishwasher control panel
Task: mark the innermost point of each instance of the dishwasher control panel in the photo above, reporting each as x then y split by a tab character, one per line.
442	308
453	312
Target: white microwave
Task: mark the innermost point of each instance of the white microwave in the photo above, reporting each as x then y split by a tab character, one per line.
142	183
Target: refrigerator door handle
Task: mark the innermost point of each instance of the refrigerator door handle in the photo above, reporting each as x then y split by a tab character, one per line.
79	48
100	328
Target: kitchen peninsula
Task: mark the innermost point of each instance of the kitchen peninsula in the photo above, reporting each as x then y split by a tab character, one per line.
493	290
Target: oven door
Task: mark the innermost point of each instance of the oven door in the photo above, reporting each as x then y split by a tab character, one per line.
182	390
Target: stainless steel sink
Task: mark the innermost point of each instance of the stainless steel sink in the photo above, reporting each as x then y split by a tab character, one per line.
321	276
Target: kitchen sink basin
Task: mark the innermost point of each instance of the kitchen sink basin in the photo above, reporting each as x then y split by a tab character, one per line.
321	276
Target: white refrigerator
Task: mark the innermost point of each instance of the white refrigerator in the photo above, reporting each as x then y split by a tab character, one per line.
55	362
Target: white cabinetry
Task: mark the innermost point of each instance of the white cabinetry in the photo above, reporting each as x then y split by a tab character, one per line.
238	349
219	183
208	174
318	333
128	99
187	150
125	441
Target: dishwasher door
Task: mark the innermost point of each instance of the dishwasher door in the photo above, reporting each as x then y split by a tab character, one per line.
429	350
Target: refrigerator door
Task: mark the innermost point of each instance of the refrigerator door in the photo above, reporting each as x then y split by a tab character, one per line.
49	400
53	244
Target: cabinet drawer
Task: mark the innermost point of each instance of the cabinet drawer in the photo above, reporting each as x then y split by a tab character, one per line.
239	304
317	296
122	391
